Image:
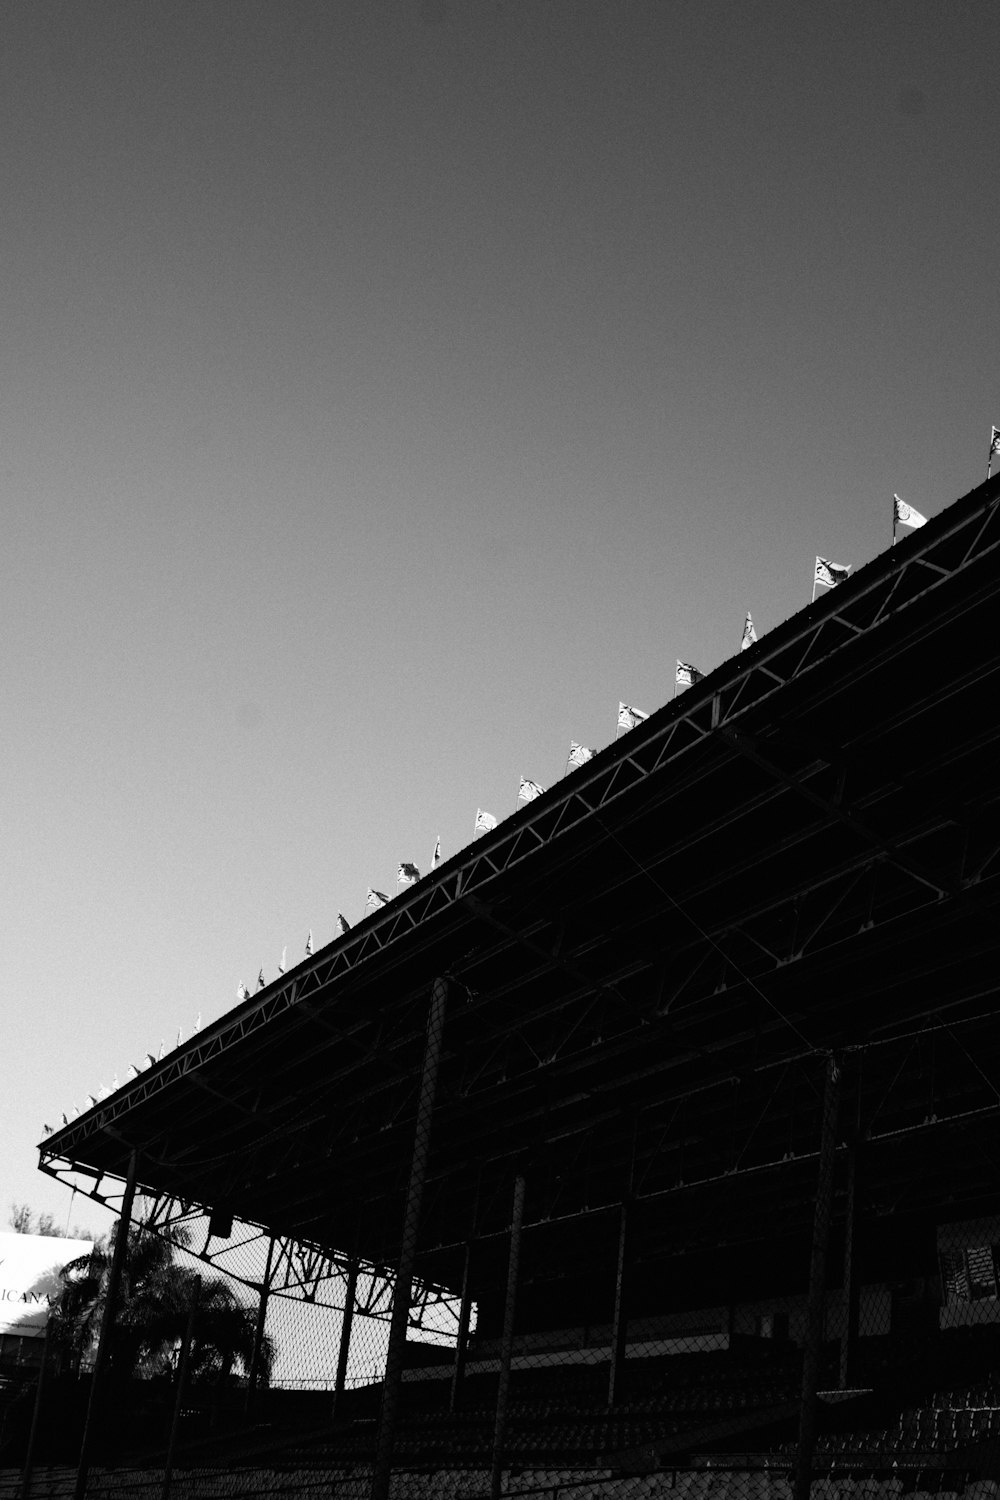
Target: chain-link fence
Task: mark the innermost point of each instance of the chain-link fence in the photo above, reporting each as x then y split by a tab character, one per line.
830	1348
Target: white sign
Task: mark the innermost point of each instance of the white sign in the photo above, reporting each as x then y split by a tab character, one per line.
29	1278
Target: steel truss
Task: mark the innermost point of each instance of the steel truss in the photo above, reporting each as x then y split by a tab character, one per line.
591	994
916	1105
914	1100
822	920
930	559
297	1270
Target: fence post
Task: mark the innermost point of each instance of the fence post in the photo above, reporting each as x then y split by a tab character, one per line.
253	1374
849	1292
36	1412
462	1342
395	1349
619	1325
507	1339
182	1369
346	1325
813	1343
849	1282
107	1322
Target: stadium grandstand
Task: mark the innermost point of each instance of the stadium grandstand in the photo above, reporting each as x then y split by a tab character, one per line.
651	1143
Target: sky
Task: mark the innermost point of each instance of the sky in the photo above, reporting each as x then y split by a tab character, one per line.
389	390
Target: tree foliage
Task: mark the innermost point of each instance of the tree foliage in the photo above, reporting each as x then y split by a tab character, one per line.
24	1221
154	1304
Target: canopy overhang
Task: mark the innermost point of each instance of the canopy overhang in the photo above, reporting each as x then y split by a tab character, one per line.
650	962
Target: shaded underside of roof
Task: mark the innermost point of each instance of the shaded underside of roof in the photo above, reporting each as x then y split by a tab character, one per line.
649	963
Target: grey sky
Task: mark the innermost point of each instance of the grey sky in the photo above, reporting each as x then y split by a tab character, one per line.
388	389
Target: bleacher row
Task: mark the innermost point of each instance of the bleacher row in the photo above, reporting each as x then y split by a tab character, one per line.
561	1411
934	1429
463	1484
720	1425
468	1437
558	1414
696	1382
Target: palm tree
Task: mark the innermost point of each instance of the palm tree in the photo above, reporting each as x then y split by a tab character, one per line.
154	1305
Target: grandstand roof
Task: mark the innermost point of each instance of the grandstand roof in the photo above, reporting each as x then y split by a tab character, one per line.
797	854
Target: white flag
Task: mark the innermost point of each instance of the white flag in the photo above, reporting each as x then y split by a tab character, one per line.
436	856
578	755
375	900
260	980
485	822
407	874
906	515
342	923
284	956
831	573
528	790
629	717
749	634
687	675
242	993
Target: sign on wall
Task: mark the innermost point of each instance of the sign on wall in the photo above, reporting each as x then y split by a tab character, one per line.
29	1278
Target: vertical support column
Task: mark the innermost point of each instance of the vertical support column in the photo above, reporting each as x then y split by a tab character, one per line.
36	1412
253	1374
462	1342
849	1326
849	1283
813	1343
507	1339
182	1370
107	1322
347	1323
619	1325
408	1245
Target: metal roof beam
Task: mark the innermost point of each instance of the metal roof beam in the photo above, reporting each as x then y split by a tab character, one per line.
750	746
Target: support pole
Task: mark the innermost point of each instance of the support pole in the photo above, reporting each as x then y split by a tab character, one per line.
36	1412
849	1292
507	1339
182	1370
850	1288
462	1342
619	1325
107	1323
347	1322
408	1245
813	1343
253	1374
